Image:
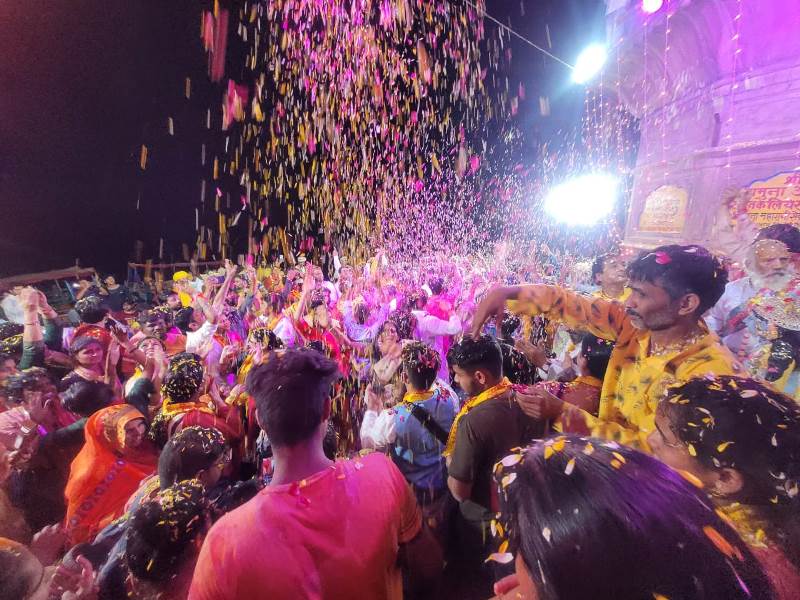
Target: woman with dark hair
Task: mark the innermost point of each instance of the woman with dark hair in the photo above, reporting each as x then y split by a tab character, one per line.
585	518
741	439
95	358
114	460
198	454
387	352
163	539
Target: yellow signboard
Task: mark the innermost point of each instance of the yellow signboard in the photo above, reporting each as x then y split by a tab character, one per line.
776	200
664	210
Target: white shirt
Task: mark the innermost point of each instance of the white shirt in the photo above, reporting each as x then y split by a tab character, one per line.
285	331
432	331
737	294
195	340
377	429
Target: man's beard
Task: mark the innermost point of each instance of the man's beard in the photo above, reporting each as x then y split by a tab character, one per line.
775	281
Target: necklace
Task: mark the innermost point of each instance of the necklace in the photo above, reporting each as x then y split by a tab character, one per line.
677	345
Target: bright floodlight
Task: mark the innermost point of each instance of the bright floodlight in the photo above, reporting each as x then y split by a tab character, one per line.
652	6
590	62
584	200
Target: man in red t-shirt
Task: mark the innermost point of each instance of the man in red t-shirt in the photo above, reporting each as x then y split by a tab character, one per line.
322	528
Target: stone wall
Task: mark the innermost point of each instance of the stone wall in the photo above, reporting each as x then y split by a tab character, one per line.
715	111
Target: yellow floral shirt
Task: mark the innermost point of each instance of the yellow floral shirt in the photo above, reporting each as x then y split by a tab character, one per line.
601	294
635	382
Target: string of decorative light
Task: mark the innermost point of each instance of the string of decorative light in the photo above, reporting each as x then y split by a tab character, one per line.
518	35
737	50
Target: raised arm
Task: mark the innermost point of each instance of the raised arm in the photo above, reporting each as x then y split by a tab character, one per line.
32	336
600	317
219	299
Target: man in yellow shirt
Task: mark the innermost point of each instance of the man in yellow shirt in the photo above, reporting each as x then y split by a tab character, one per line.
609	271
659	333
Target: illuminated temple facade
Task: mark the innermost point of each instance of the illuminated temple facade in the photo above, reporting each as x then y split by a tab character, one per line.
715	85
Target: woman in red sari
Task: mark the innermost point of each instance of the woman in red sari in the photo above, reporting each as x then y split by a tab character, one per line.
108	469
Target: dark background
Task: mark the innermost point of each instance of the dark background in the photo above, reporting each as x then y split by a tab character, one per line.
84	83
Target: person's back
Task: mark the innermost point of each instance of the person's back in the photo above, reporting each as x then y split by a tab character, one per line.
321	529
332	535
422	421
418	453
491	429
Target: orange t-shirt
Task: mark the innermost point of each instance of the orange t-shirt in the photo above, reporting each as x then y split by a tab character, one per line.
334	535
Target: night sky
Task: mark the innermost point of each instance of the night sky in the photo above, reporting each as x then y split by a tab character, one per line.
84	83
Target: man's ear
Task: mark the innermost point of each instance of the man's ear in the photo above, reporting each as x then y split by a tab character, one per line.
480	377
689	304
728	483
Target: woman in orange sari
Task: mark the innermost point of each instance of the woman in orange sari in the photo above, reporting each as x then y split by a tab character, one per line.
108	469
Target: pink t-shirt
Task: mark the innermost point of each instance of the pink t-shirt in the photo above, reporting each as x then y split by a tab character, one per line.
334	535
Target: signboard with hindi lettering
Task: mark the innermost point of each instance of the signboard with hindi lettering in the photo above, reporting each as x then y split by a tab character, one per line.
664	210
775	200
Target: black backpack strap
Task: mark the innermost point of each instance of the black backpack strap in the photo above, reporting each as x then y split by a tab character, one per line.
428	422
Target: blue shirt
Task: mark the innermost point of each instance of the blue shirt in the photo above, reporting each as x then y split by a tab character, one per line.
417	453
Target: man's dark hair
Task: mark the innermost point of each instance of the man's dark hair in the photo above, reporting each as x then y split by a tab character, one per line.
84	398
472	354
29	379
597	353
783	232
188	452
183	318
161	532
91	310
674	540
437	285
516	366
290	391
421	364
682	270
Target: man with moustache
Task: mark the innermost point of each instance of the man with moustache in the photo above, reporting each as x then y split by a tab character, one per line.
659	333
770	271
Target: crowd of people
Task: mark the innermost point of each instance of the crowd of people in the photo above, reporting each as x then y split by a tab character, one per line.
448	428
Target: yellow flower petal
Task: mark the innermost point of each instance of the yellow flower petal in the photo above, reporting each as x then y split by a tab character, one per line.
721	448
692	451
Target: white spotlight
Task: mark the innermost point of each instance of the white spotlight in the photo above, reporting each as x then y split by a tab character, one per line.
652	6
590	62
584	200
